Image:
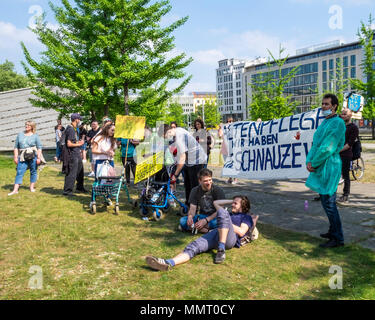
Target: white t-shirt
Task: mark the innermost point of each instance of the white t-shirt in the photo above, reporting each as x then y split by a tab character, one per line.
104	145
185	142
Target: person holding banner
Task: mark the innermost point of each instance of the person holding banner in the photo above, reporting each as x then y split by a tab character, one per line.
324	164
127	156
234	230
190	156
351	135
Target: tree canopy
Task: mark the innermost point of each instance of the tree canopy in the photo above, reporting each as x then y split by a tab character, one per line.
9	79
100	52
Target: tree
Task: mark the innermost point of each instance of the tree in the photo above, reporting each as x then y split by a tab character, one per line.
151	103
268	99
100	52
212	115
367	89
175	113
9	79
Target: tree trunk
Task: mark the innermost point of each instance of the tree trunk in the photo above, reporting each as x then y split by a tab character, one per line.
126	99
373	129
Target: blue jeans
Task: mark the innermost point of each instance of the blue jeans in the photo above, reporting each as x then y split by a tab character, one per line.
183	222
58	151
210	240
335	228
22	166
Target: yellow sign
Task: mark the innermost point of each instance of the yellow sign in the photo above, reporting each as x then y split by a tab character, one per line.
129	127
149	167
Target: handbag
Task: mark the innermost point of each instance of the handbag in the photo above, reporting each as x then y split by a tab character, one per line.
105	170
28	154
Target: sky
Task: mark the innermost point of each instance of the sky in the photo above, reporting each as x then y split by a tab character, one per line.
215	30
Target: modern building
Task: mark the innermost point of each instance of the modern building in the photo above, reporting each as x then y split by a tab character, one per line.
229	87
186	101
16	109
320	69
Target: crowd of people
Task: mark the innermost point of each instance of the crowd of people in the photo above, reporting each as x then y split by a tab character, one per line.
328	160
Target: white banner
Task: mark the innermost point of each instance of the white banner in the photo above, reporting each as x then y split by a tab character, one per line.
274	149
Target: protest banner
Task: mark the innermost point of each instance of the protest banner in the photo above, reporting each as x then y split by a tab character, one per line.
149	167
274	149
130	127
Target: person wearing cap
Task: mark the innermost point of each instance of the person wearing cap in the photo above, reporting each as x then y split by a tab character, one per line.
73	166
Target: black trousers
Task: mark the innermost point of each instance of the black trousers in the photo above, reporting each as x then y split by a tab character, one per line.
191	178
129	165
75	173
345	174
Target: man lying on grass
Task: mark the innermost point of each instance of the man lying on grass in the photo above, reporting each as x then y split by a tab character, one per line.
233	231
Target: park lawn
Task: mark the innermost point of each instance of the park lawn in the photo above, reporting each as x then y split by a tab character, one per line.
101	256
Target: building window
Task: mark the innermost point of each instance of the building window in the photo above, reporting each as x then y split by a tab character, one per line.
353	60
345	62
324	76
330	64
346	73
352	73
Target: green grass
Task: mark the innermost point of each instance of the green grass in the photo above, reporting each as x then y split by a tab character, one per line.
101	256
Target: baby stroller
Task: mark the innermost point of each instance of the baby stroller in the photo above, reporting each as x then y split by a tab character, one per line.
157	195
109	186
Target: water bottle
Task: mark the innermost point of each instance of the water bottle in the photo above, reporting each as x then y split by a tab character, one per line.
306	205
156	195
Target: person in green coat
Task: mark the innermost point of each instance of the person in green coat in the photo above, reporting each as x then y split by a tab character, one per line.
324	164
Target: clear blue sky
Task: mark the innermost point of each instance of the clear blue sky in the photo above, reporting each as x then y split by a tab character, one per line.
216	29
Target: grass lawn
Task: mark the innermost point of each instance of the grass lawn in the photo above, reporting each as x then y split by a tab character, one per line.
101	256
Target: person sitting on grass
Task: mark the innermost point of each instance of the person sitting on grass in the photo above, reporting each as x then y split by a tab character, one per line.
233	230
202	197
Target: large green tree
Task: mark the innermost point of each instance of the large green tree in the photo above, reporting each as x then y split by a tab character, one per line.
9	79
268	100
211	112
101	51
367	88
175	113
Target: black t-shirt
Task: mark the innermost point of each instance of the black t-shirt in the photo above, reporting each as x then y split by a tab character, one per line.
205	199
91	134
72	135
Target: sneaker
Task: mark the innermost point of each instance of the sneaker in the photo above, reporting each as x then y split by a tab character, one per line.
157	263
91	174
343	199
81	190
235	181
331	244
109	202
32	190
180	228
317	198
220	256
12	193
84	161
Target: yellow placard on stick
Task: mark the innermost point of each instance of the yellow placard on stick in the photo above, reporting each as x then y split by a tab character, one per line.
130	127
149	167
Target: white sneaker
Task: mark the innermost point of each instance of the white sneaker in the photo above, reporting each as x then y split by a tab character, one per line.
84	161
32	190
91	174
12	193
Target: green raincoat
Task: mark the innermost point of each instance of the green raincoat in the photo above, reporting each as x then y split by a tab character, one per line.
324	156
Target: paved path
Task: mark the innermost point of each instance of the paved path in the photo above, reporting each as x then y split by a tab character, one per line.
281	203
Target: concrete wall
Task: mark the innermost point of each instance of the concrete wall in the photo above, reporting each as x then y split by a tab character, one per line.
15	110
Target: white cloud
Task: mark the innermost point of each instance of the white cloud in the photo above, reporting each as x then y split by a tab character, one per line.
11	36
208	57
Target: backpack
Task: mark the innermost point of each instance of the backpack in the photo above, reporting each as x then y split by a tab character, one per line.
62	141
357	149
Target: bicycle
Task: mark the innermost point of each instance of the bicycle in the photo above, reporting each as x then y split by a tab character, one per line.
357	167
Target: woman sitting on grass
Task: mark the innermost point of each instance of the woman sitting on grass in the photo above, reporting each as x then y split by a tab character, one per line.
233	230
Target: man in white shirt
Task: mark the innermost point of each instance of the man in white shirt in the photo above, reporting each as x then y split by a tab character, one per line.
191	157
